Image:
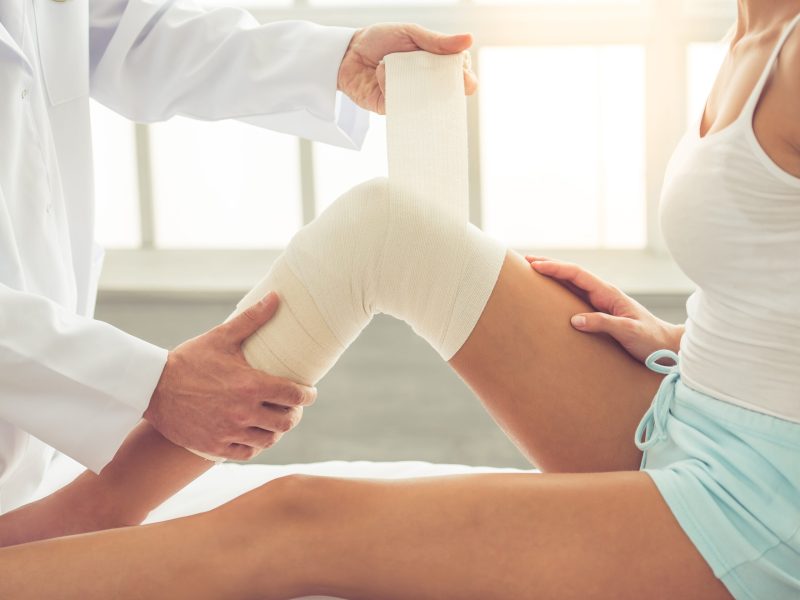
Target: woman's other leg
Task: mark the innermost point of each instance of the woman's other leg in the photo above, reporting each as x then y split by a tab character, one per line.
186	558
550	536
559	536
223	554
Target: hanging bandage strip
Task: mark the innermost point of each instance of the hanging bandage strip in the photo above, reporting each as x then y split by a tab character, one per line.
428	187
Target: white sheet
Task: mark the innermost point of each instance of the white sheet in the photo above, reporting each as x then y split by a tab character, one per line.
226	481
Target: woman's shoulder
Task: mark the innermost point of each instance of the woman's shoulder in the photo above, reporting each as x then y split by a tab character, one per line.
787	89
790	58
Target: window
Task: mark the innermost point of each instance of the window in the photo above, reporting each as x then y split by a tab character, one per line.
580	104
563	146
224	185
116	179
336	170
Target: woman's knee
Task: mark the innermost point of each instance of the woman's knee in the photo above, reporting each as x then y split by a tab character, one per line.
298	499
351	226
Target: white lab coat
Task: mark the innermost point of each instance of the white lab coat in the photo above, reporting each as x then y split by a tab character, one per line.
66	380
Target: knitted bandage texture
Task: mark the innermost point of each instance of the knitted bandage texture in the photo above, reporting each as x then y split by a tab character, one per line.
400	246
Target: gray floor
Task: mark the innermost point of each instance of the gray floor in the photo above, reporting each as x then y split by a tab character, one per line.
389	398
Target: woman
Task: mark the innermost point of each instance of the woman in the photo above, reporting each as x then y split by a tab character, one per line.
713	516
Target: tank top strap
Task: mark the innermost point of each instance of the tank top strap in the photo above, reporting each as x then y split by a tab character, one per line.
755	96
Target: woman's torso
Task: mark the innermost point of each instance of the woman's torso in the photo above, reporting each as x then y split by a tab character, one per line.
731	218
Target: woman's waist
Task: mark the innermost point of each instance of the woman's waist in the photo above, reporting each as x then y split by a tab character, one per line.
755	402
758	379
753	415
737	356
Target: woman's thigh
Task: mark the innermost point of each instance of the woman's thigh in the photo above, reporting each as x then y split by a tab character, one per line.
551	536
571	401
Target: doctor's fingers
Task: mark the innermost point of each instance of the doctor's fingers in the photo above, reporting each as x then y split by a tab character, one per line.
436	42
278	419
267	430
261	387
259	439
266	435
442	43
239	452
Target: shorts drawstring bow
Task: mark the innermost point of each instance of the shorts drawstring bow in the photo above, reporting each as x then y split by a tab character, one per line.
652	428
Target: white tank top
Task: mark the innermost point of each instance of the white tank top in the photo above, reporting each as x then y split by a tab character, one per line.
731	219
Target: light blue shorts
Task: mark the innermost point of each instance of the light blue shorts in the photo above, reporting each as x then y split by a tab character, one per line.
731	477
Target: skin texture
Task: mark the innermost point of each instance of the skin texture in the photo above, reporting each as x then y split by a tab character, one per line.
491	536
777	119
570	401
590	527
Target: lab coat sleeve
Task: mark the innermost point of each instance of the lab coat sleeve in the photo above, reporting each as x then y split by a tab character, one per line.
78	384
152	59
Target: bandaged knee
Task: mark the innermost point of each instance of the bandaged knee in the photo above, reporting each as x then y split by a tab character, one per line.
400	245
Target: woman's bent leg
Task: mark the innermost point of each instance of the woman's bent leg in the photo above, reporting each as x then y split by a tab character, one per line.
569	400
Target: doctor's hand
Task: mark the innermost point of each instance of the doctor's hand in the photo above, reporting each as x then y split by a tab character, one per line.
618	315
362	75
211	400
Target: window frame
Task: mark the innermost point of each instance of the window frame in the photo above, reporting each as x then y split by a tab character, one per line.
665	28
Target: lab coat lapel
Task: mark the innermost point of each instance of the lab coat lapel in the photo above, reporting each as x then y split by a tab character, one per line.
9	47
11	19
11	26
63	33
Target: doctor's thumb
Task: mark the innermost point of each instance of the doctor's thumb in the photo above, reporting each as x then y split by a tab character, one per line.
247	323
439	43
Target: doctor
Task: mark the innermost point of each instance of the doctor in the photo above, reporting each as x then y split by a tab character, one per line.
79	385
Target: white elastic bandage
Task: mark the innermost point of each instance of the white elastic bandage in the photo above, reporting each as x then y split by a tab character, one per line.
401	246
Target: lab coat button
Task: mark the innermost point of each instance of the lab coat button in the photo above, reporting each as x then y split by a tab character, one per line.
24	93
49	207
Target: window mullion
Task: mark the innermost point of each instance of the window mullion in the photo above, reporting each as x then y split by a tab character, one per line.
145	180
665	111
308	197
